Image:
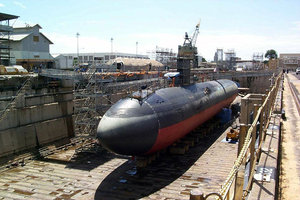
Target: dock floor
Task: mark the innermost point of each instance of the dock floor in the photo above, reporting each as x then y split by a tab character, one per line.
103	175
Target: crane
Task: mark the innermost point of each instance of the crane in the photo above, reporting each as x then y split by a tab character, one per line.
192	41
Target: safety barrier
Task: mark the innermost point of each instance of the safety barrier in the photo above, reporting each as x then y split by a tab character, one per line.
233	187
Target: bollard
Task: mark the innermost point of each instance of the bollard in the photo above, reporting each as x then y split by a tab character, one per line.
196	194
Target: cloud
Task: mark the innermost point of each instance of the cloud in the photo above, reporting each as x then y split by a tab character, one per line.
1	5
17	3
68	44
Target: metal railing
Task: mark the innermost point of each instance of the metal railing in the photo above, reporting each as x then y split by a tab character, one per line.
233	188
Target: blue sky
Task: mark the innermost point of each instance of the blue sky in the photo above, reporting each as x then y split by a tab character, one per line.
245	26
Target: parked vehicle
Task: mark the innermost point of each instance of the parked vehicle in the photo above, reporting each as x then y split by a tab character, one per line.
298	71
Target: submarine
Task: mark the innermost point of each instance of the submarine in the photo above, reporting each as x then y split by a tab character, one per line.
146	123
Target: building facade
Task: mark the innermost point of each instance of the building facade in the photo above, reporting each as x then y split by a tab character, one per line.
68	60
30	48
289	61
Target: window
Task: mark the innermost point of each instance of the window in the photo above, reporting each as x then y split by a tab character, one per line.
90	58
36	56
36	38
106	57
98	58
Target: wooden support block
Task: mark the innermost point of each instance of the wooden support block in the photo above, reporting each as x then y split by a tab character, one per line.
141	162
179	149
188	141
193	137
198	135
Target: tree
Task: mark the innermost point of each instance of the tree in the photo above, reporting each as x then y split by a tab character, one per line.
271	54
203	60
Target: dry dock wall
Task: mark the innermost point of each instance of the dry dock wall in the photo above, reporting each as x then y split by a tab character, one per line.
36	120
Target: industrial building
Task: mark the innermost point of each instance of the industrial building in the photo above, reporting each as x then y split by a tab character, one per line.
29	47
289	60
67	60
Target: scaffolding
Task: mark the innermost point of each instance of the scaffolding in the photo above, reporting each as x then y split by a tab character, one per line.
96	91
165	56
258	60
5	33
230	58
258	56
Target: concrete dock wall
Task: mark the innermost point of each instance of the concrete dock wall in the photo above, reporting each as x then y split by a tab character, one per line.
34	114
257	84
36	120
25	137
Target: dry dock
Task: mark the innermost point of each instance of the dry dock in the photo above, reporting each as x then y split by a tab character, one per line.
103	175
72	173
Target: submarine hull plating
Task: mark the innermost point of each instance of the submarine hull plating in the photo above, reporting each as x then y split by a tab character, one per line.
139	127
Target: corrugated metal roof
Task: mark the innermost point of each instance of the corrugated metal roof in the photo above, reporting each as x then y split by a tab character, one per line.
4	16
21	36
16	37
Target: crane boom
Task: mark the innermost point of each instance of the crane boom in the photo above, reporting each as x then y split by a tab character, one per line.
195	35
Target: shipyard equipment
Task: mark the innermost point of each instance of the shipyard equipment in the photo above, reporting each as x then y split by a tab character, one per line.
233	135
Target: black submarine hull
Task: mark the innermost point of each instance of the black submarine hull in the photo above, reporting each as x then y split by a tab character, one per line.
140	127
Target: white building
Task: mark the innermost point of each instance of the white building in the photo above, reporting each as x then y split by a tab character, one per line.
29	47
248	65
67	60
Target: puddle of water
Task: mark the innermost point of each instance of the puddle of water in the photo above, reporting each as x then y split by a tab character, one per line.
122	180
131	172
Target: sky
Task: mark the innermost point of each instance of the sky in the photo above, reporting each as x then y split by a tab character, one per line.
247	26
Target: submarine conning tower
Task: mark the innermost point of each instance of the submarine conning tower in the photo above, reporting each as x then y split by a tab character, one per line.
187	57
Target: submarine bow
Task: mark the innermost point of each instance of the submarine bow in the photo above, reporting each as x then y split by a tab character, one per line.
143	126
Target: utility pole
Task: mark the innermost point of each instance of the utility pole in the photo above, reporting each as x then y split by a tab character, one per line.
136	49
111	45
77	35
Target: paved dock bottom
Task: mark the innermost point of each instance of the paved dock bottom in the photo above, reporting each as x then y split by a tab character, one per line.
103	175
290	169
